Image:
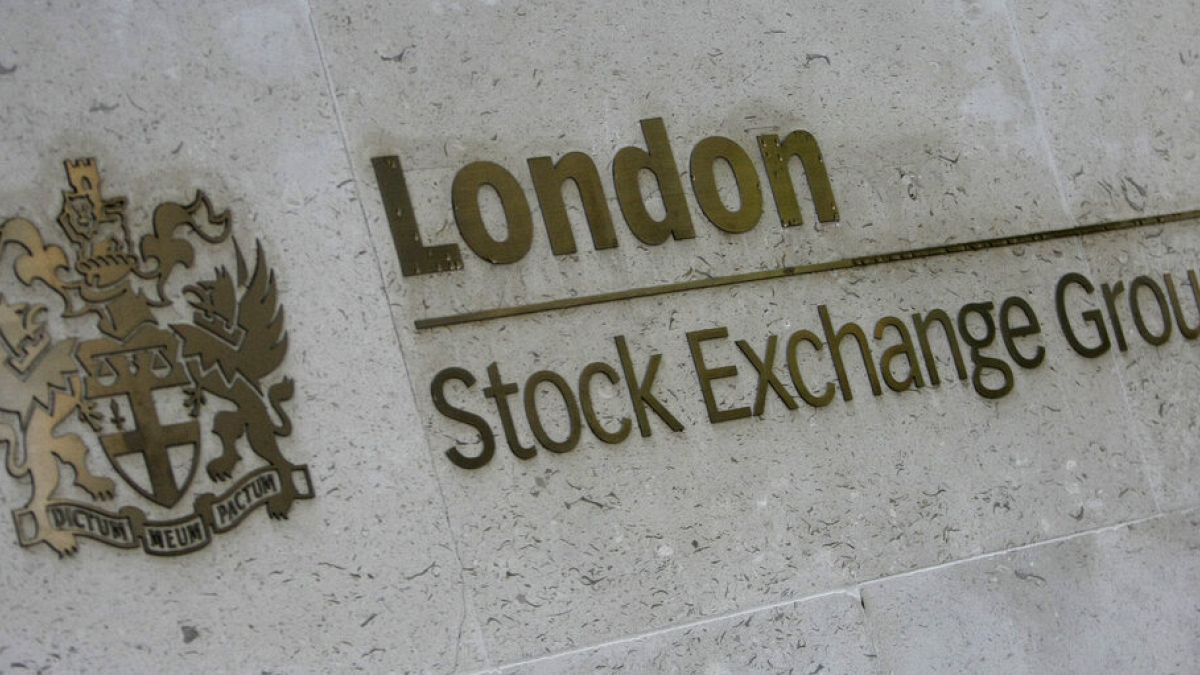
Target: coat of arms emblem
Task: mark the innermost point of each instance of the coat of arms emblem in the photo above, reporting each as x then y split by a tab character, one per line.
170	366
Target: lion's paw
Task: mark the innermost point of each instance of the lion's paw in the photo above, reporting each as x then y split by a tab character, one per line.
279	506
221	468
98	487
63	543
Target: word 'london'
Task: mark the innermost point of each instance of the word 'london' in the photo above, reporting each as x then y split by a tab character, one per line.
550	177
1150	307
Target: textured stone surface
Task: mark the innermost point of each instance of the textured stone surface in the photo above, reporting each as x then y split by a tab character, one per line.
1159	379
563	551
1122	600
231	99
588	545
918	154
1117	86
823	635
940	122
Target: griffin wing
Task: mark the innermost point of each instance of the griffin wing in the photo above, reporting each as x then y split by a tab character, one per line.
260	316
264	342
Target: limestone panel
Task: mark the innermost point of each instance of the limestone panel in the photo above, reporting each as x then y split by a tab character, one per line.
1116	84
670	528
230	97
1121	600
563	551
1159	378
826	635
921	112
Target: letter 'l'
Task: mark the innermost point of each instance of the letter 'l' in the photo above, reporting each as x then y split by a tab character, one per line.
415	257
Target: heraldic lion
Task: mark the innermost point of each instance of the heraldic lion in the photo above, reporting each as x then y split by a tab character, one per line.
39	384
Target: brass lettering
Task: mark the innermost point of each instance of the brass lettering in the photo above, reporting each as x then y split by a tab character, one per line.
1008	332
1188	332
438	391
833	338
794	341
704	182
549	179
706	375
518	219
921	324
499	391
535	418
659	160
905	349
980	362
415	257
777	157
1092	316
1139	321
766	376
1110	294
640	394
589	411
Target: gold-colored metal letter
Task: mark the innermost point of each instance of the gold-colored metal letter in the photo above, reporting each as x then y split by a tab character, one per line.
437	389
1092	316
1008	332
980	361
706	375
659	160
704	183
518	220
794	341
921	327
833	338
776	155
589	411
535	418
1110	294
415	257
905	349
1188	332
499	391
765	367
1135	306
548	180
640	394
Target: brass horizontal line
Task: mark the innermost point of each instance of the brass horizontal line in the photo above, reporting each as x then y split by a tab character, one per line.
801	270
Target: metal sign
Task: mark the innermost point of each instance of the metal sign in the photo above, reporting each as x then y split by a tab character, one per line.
119	383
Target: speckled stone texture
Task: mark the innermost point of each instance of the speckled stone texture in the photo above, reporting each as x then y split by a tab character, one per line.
1116	85
1122	600
231	98
1049	530
825	634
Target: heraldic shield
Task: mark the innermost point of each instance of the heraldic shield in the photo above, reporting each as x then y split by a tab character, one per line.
151	391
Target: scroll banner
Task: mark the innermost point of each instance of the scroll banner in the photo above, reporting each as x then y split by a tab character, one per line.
212	514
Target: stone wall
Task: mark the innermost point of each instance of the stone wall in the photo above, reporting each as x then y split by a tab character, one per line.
930	529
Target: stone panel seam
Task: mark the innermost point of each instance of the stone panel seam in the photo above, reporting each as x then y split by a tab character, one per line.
1035	100
1131	421
341	128
854	591
1031	91
849	592
1024	547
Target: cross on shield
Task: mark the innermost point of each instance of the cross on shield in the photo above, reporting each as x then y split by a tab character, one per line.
134	370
